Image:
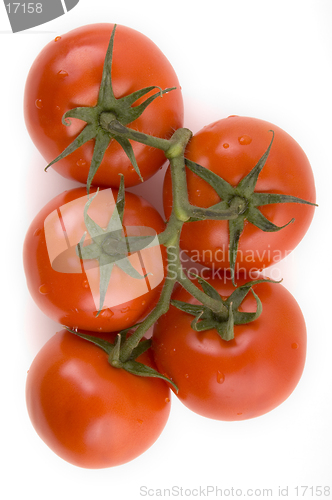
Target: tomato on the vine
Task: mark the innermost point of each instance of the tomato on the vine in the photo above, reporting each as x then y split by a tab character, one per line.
88	412
231	148
106	291
241	378
67	74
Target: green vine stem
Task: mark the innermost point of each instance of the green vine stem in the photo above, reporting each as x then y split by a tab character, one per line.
182	211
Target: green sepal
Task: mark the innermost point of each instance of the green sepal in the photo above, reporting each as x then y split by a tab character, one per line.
186	307
259	220
210	291
242	291
242	318
105	272
223	322
102	140
143	346
207	287
142	370
136	243
223	189
93	228
87	134
114	350
103	344
92	251
120	199
128	149
136	111
261	199
127	267
247	185
83	113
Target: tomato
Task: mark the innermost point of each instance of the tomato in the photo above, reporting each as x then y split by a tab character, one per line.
89	413
231	148
238	379
67	74
66	288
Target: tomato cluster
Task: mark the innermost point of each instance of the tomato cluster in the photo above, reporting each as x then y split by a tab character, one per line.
238	196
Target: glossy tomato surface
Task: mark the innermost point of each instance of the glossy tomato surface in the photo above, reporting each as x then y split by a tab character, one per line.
231	148
67	74
89	413
68	290
238	379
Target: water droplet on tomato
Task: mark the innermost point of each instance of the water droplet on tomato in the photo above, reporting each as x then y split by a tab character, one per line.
39	103
244	140
44	289
167	400
57	38
143	302
81	163
63	73
125	309
232	116
85	284
37	232
139	421
295	345
220	377
186	375
226	145
107	313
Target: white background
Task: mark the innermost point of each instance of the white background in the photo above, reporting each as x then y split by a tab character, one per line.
261	58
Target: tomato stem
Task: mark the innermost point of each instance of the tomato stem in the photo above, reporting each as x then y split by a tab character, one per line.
182	211
161	308
116	128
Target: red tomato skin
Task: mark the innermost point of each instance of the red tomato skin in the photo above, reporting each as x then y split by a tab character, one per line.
91	414
231	147
238	379
67	74
66	297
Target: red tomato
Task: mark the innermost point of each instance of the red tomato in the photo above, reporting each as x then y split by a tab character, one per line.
241	378
67	74
231	148
89	413
67	290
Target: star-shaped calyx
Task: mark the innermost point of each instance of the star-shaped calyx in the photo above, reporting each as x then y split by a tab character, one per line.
130	365
107	109
224	321
244	201
110	246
